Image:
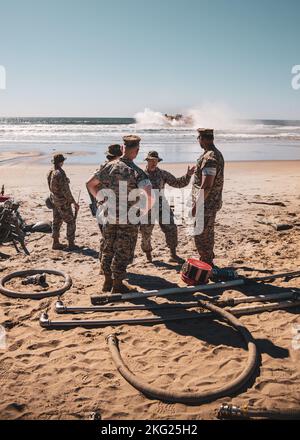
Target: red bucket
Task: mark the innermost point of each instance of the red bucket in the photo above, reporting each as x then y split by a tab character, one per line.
4	198
194	272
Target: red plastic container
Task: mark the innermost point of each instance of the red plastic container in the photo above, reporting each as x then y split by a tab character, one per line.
194	272
4	198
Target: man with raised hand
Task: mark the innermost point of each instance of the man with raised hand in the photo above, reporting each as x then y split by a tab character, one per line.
159	178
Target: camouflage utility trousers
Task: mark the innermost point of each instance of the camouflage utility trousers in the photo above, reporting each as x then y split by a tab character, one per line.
169	229
63	214
117	249
205	241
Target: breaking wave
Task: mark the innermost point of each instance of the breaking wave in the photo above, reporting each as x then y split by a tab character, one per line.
153	125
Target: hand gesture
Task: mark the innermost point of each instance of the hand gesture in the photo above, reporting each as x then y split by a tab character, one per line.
190	170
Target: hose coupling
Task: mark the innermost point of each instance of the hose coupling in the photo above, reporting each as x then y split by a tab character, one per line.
44	320
227	410
112	338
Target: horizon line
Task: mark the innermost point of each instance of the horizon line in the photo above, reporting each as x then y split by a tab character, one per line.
132	117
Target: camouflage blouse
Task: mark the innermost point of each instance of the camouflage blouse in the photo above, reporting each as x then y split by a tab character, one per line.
121	171
160	177
211	163
59	187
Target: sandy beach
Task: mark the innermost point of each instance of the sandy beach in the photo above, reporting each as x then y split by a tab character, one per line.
63	374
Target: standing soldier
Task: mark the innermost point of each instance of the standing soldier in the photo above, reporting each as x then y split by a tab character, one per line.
62	201
209	177
119	236
113	152
159	178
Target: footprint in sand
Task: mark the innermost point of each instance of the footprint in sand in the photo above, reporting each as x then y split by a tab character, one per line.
109	375
48	344
19	407
16	345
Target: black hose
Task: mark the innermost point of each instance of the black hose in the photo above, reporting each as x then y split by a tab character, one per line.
35	295
188	397
292	413
229	411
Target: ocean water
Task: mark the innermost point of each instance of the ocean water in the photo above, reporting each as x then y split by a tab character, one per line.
86	139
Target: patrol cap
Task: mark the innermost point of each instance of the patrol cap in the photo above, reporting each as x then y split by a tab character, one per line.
131	140
114	150
153	155
206	132
58	157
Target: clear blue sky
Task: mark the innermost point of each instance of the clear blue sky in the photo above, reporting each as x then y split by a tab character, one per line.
116	57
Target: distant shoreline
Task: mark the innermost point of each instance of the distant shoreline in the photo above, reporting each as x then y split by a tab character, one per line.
121	118
38	160
35	161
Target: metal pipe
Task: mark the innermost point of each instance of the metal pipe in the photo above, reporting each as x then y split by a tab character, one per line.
61	308
265	308
104	299
47	323
290	294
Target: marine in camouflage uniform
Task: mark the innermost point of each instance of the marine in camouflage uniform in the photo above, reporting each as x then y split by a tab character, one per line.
209	176
159	178
119	240
113	152
62	199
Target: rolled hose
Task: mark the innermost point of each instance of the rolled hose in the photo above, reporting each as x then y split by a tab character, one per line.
228	410
35	295
191	397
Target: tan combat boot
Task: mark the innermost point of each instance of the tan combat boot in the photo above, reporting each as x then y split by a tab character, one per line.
57	246
108	283
72	246
174	258
119	286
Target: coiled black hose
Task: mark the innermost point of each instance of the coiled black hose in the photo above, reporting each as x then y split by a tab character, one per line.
35	295
188	397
